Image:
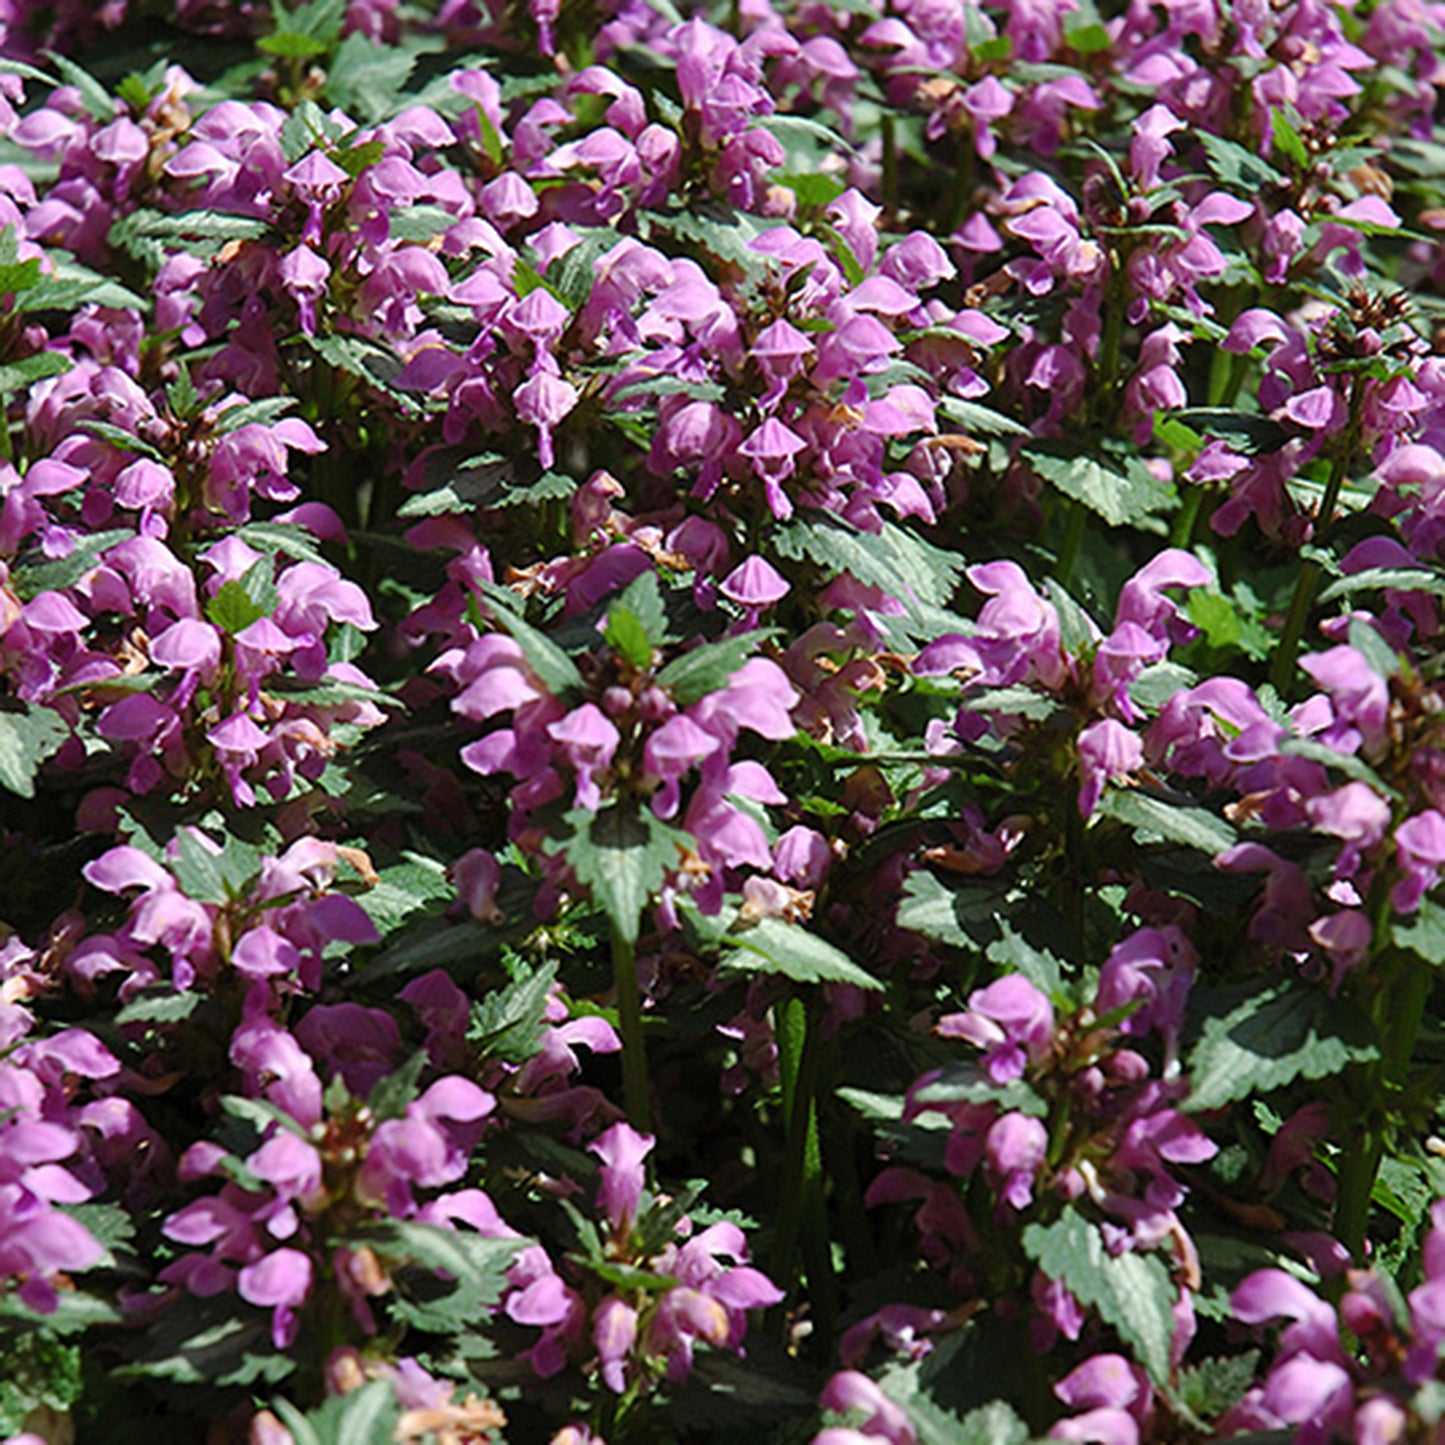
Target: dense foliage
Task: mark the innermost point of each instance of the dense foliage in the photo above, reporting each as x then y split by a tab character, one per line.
723	721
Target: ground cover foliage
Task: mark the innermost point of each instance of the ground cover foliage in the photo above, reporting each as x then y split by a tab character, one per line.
721	720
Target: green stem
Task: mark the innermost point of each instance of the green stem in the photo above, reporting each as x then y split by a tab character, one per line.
1403	993
1188	514
817	1239
890	163
629	1027
1069	544
800	1188
7	450
1281	670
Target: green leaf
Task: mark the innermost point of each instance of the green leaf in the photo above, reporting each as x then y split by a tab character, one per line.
416	885
283	537
1155	821
1237	165
1287	140
93	95
901	564
321	18
975	418
643	598
291	45
209	1342
32	578
1225	623
261	1114
214	877
366	78
159	1008
622	856
627	637
69	284
814	190
17	375
148	235
366	1415
26	740
969	1084
41	1372
1217	1384
1038	965
362	1417
479	1264
506	1024
1132	1292
231	609
573	276
1366	640
948	1396
1274	1035
263	413
109	1225
1375	579
1017	701
1123	495
1350	764
1423	933
120	438
771	946
552	667
965	917
624	1276
392	1092
1245	432
706	669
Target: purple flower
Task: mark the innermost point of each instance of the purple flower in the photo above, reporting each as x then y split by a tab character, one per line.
1014	1151
1420	854
281	1280
588	740
1010	1020
622	1175
1108	751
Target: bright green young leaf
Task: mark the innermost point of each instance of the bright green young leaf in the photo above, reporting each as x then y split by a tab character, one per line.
41	1372
291	45
231	609
627	637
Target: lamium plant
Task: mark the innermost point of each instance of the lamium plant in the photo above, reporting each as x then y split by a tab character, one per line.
721	719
